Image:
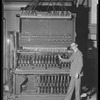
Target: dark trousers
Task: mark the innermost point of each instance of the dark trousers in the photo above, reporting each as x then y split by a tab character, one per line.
74	84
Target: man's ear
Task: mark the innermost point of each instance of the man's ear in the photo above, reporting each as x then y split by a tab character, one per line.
76	45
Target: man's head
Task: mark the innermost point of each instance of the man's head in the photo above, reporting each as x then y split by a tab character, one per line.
74	46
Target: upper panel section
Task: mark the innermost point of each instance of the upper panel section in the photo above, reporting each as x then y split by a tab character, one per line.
46	31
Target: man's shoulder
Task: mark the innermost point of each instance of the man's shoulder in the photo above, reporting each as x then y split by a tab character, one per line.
79	52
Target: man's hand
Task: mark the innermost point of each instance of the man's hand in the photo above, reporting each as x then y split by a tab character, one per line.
77	75
59	56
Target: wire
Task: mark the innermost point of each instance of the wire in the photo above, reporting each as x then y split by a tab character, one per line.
35	6
31	6
48	6
64	6
61	7
56	5
83	2
28	5
52	5
41	2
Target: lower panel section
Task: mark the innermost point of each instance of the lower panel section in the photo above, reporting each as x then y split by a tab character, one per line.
39	97
42	84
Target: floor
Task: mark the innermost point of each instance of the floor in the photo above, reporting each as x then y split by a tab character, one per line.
94	97
89	94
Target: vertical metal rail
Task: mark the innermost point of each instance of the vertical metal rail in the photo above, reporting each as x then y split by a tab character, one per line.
5	54
4	51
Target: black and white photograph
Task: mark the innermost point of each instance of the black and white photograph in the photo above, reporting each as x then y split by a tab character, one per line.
50	49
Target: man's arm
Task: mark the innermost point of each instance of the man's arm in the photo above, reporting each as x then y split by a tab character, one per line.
79	65
66	60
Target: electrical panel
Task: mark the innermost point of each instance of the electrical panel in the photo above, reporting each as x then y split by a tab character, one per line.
38	70
46	32
36	73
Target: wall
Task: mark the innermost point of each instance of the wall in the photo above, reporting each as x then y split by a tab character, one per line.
93	22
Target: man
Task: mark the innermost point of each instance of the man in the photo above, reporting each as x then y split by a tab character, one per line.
75	72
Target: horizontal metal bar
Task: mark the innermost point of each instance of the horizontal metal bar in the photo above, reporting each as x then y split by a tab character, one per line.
45	16
41	0
18	71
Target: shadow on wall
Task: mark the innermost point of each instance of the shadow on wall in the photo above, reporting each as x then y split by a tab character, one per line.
90	64
92	61
82	21
82	30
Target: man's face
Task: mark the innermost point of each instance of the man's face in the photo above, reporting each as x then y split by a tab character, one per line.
74	47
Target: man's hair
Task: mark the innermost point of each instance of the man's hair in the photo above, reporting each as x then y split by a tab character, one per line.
73	44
